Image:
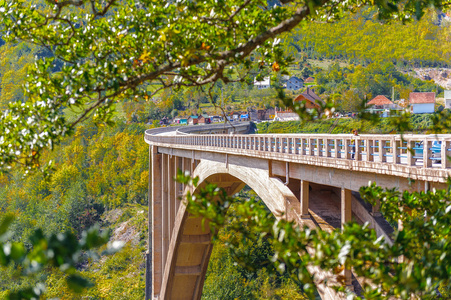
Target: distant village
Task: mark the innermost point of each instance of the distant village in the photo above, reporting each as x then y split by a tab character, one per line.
418	103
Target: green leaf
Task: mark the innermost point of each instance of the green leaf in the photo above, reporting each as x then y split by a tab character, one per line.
5	223
78	283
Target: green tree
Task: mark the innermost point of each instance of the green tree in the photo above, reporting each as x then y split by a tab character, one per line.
15	59
61	251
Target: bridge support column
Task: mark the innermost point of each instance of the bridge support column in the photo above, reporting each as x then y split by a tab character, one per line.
165	219
304	199
346	216
375	209
400	228
346	212
149	262
171	194
157	255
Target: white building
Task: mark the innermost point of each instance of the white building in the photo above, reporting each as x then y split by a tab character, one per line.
286	115
421	103
447	99
264	84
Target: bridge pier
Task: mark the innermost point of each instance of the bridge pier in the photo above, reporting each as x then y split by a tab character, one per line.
375	209
346	216
157	246
165	208
304	199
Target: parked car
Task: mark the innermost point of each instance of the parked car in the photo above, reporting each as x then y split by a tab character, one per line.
436	149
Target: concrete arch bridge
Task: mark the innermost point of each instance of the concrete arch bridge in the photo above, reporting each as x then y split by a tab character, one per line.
312	178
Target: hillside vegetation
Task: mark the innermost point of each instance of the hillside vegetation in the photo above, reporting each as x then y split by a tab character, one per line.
362	38
95	171
419	124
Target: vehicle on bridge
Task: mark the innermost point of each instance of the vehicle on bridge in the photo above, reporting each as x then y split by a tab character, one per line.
436	150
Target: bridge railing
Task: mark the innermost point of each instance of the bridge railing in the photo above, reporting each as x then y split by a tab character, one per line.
411	150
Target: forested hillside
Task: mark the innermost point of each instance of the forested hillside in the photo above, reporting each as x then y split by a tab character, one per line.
100	177
362	38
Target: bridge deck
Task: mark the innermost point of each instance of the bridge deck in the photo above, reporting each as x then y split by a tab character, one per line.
409	156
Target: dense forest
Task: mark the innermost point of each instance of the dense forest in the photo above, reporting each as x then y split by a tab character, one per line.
100	177
362	38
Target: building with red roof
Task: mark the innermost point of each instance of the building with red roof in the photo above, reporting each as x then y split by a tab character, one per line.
381	105
311	99
421	103
380	102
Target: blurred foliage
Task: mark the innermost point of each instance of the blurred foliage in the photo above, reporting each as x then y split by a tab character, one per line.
15	60
60	251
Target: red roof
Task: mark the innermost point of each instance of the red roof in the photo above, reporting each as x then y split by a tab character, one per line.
418	98
379	100
310	79
309	95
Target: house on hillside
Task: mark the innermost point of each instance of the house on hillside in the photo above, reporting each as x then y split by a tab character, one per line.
294	83
311	99
380	105
244	117
421	103
216	119
380	102
193	120
266	114
264	84
447	99
286	115
235	115
204	119
309	80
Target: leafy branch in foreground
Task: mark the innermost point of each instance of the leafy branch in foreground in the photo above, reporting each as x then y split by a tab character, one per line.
101	52
62	251
424	243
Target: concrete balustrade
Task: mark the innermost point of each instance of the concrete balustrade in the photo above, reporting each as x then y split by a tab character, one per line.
409	150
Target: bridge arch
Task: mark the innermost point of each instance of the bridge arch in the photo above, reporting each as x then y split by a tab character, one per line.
190	248
299	159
